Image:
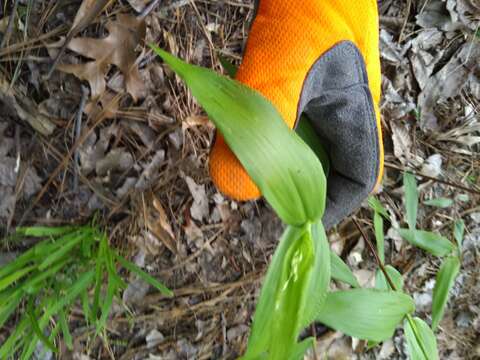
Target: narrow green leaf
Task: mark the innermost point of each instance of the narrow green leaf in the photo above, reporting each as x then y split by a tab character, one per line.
377	207
379	235
411	199
43	231
439	202
433	243
421	342
9	347
8	307
38	332
112	289
10	279
144	276
459	233
443	284
306	131
63	251
366	313
67	336
286	170
31	284
381	283
341	271
18	263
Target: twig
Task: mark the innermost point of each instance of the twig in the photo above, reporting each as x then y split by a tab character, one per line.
374	252
458	186
10	24
78	131
149	8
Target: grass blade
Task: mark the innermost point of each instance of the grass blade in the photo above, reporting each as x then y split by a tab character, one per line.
411	199
67	336
443	284
379	235
459	233
10	279
144	276
381	282
439	202
377	207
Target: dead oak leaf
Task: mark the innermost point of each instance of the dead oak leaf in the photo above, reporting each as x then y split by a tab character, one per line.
93	72
125	33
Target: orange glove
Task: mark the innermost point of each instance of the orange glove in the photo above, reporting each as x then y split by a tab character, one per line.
321	58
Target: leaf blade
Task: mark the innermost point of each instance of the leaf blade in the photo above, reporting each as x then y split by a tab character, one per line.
433	243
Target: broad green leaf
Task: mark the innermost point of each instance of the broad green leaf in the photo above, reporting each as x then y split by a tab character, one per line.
306	131
341	271
379	235
381	283
439	202
411	199
282	298
421	342
377	206
43	231
433	243
443	284
287	172
458	233
144	276
366	313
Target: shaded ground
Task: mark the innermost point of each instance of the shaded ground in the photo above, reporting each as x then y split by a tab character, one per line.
143	149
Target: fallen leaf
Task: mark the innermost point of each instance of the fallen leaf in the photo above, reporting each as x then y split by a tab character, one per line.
87	12
93	72
199	209
158	224
118	48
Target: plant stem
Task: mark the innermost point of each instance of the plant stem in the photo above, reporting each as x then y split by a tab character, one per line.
390	282
372	250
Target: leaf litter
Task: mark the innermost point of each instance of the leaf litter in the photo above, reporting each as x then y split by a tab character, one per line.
214	250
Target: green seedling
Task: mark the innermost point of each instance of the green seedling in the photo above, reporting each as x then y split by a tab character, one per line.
62	269
289	168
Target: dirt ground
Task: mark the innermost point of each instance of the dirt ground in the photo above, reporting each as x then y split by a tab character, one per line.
142	149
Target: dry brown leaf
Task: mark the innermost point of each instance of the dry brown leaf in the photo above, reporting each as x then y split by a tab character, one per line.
157	223
87	12
92	71
107	104
125	33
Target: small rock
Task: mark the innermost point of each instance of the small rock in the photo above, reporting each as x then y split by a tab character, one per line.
154	338
387	349
464	319
423	301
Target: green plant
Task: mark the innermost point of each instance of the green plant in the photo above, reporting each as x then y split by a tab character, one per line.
420	337
69	267
288	172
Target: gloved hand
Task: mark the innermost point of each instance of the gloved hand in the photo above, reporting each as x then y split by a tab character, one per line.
321	58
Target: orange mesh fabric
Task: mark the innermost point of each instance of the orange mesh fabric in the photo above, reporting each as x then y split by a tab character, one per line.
286	38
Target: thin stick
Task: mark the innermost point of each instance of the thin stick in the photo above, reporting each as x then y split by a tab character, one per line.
10	24
78	131
374	252
149	8
458	186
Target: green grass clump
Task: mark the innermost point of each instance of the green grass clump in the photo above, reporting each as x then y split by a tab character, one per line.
68	267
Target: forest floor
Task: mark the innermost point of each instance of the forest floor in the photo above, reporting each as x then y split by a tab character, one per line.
143	145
